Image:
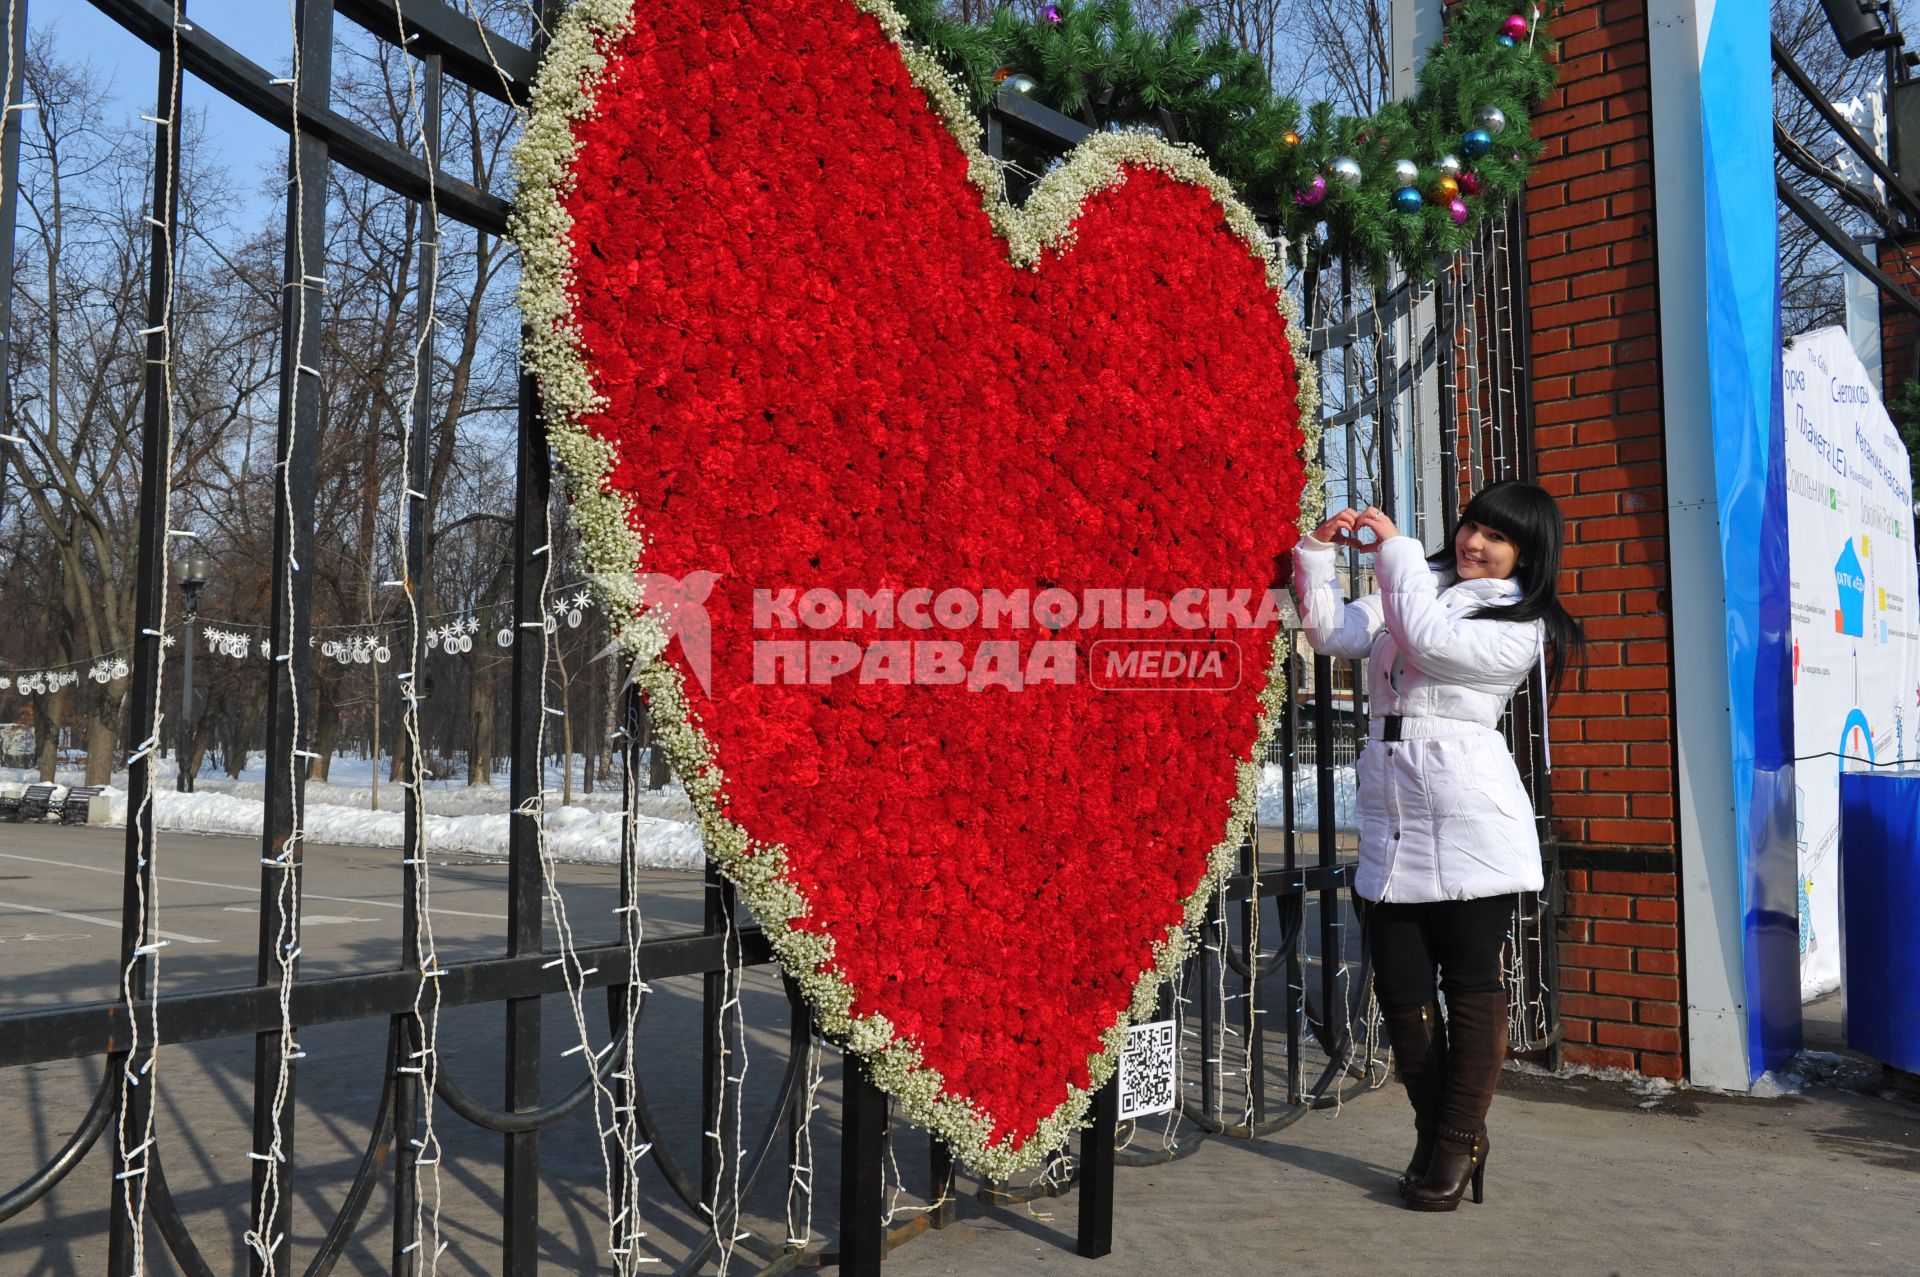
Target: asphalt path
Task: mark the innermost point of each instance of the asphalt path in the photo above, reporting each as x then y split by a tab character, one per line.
1591	1177
60	890
59	926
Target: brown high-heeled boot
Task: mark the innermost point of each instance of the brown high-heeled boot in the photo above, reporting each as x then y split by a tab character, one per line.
1419	1042
1476	1047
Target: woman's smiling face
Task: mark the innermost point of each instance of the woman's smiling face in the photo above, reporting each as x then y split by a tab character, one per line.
1479	551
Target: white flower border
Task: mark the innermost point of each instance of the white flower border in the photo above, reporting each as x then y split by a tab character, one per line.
613	550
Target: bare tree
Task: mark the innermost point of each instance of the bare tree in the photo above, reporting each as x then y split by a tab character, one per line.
76	384
1812	289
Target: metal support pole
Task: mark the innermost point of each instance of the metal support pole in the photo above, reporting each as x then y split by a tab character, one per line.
14	80
1449	401
1213	972
1251	1018
408	1094
525	896
137	931
863	1140
1096	1173
1386	397
1323	740
290	669
1322	700
526	916
183	769
716	1157
621	998
940	1181
1329	851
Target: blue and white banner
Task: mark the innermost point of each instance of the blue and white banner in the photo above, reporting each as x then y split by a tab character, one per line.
1856	627
1742	350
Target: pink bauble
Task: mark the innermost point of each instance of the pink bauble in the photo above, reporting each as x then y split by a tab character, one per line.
1470	183
1312	193
1516	26
1458	208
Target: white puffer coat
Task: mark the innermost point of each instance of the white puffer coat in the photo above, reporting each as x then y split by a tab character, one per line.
1443	814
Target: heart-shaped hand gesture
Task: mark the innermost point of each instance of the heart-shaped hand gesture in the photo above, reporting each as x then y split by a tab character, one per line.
1345	528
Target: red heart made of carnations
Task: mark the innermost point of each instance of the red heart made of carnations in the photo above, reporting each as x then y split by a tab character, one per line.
958	524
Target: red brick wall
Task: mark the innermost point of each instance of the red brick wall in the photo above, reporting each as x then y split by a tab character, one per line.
1598	441
1899	331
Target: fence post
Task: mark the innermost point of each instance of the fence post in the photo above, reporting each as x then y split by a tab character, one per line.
1096	1173
291	670
940	1181
136	924
863	1238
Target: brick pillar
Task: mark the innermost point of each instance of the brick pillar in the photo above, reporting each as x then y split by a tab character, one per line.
1899	330
1600	451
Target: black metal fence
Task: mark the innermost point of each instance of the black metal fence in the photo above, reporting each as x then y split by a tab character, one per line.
1273	1010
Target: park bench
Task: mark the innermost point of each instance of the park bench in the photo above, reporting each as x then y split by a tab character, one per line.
32	805
79	804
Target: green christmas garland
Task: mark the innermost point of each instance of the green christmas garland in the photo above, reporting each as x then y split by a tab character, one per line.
1093	62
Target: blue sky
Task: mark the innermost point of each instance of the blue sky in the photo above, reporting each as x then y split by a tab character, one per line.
246	145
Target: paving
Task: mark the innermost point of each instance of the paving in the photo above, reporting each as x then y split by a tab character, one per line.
1588	1176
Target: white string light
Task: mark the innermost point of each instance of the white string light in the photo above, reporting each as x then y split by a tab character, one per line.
426	999
801	1169
1253	968
259	1238
572	970
143	1057
624	1233
730	984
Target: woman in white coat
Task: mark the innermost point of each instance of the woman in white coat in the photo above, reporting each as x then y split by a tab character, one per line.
1447	832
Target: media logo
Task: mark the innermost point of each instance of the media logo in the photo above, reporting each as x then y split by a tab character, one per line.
678	604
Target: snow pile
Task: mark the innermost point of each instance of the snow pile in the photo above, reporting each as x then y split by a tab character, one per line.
1306	797
474	819
573	833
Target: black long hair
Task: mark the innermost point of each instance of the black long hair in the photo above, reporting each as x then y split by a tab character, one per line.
1530	518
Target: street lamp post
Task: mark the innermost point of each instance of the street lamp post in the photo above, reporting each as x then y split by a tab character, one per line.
190	574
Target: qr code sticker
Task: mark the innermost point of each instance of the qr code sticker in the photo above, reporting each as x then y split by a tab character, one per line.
1146	1070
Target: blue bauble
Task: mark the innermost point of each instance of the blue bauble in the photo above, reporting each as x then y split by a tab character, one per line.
1407	199
1477	143
1506	42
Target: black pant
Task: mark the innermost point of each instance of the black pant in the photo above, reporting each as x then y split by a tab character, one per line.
1452	945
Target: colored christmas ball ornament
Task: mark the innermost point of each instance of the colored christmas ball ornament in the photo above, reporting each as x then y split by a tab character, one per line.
1470	183
1515	27
1449	164
1312	193
1290	138
1505	42
1448	187
1476	143
1023	84
1405	173
1491	118
1051	13
1457	209
1345	170
1000	74
1407	200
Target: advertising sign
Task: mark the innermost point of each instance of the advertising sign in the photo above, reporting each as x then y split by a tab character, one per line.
1856	653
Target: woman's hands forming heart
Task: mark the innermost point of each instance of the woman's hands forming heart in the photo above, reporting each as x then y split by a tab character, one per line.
1344	529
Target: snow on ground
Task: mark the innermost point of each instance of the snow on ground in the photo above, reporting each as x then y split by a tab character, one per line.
573	833
474	819
1306	797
